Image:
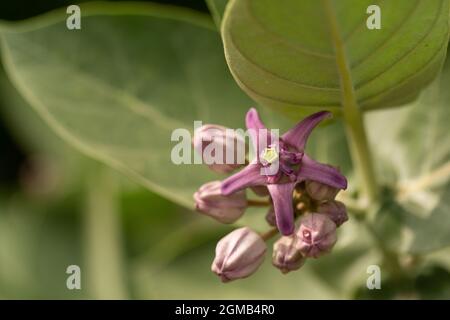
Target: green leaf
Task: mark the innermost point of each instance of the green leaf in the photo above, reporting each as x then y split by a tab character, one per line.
300	55
434	283
413	153
38	241
27	127
217	8
52	167
118	88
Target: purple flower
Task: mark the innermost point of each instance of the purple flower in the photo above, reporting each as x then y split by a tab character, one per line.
238	254
319	191
286	256
336	210
316	235
226	209
219	147
292	166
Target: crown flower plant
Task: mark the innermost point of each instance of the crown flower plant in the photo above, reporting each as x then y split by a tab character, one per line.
297	186
135	132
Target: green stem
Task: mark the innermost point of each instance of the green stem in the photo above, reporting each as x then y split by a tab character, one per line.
390	258
103	239
269	234
214	12
356	134
258	203
360	153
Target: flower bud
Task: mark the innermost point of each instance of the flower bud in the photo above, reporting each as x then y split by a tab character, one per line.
335	210
316	235
286	256
230	148
226	209
238	254
261	191
270	217
319	191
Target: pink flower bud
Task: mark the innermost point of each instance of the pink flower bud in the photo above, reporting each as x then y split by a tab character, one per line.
316	235
221	148
286	256
319	191
226	209
335	210
270	217
238	254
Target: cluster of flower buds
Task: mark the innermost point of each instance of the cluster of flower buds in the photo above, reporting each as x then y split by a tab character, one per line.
301	201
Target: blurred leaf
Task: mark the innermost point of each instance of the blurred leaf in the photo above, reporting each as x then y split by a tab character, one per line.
189	277
217	8
439	257
52	166
414	155
298	56
144	72
155	87
25	124
345	268
434	283
37	244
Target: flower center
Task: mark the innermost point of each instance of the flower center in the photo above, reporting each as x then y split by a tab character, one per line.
307	235
269	155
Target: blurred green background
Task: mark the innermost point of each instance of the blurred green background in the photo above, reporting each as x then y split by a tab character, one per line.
59	208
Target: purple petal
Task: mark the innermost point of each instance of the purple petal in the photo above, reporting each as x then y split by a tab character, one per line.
297	136
313	170
282	203
248	177
252	120
256	129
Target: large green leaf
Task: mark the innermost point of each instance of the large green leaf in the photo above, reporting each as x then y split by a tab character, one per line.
118	88
290	54
413	152
53	167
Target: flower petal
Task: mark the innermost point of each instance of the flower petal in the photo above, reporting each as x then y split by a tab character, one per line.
248	177
297	136
313	170
282	203
256	130
252	120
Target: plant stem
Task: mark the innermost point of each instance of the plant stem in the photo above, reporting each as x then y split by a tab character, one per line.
103	241
258	203
269	234
356	134
433	178
212	6
361	154
390	258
